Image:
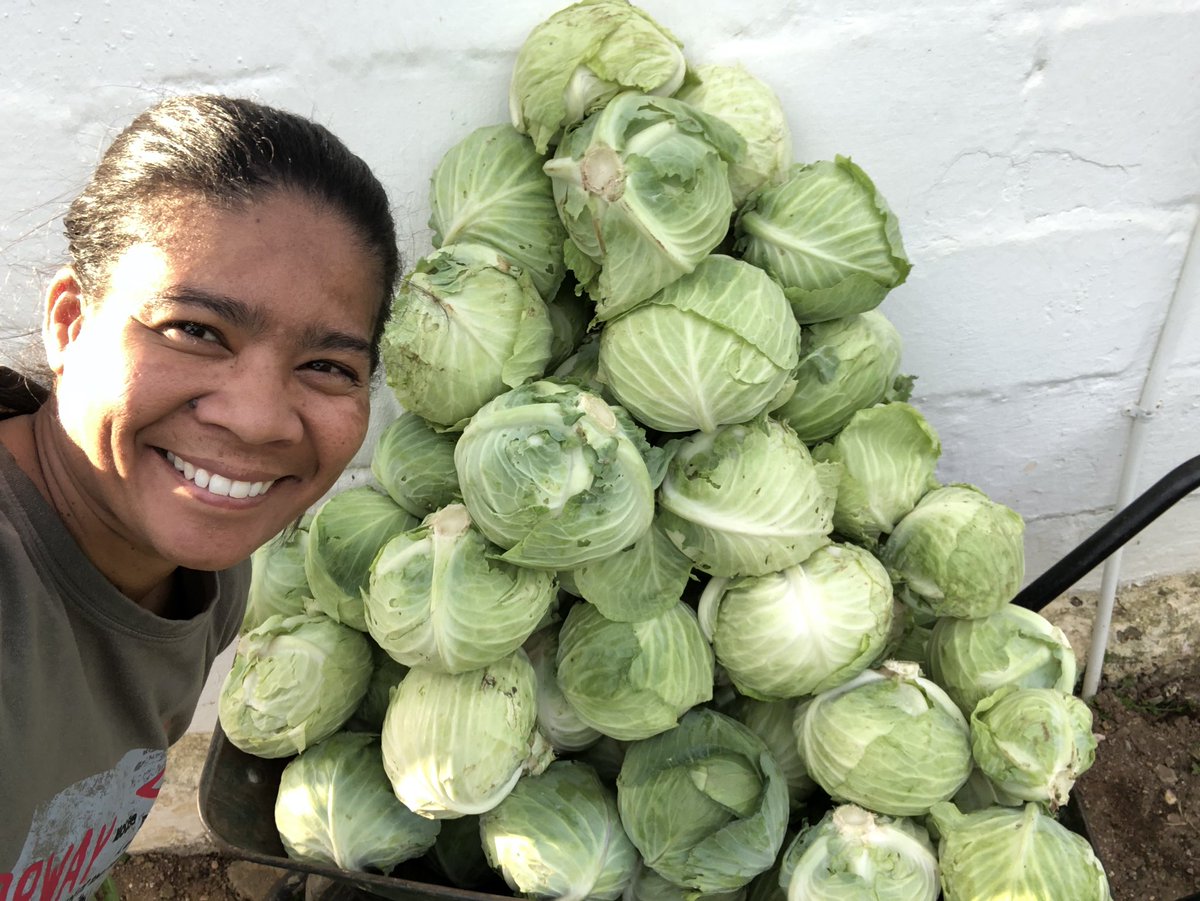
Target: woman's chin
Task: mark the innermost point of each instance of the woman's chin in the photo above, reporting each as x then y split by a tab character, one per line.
226	551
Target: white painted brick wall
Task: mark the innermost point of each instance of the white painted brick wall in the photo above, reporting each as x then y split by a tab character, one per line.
1043	159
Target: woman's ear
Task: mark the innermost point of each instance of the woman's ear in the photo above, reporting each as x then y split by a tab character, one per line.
63	317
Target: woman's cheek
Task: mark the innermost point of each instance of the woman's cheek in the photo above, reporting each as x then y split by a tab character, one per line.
347	428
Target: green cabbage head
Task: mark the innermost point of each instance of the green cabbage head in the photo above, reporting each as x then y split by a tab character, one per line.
556	476
294	681
827	235
748	104
772	722
979	792
846	364
639	582
852	854
557	719
455	744
278	583
414	463
716	346
490	189
439	598
346	533
466	324
1033	743
958	553
1002	852
581	57
705	803
559	835
385	676
643	190
888	740
971	658
721	502
888	454
335	806
803	629
633	680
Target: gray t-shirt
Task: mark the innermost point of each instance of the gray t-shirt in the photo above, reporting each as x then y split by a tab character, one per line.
93	688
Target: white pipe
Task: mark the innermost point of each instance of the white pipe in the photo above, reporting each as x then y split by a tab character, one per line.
1183	301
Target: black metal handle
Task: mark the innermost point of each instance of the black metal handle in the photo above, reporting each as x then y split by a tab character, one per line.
1092	551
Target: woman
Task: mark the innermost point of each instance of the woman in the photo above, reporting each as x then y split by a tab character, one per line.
211	346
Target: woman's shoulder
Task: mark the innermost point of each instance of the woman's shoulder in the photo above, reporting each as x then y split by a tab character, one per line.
19	394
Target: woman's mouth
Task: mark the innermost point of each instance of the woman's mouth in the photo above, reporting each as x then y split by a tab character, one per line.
214	482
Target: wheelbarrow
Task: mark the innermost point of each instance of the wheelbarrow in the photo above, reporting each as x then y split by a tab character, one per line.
237	790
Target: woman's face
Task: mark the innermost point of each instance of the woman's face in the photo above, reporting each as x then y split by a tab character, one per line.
220	385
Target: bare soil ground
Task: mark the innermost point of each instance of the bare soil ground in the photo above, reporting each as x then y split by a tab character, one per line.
166	877
1141	799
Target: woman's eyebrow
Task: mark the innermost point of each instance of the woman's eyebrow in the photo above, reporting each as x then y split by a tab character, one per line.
317	338
244	316
234	311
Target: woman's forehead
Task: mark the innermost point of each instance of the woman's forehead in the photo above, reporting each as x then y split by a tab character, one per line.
276	253
182	218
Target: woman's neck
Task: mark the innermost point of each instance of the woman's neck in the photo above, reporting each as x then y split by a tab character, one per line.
35	442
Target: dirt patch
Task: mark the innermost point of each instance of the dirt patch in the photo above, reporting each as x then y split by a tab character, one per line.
196	877
158	876
1142	796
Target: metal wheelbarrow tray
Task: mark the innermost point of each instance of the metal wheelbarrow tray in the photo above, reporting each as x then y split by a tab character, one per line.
237	804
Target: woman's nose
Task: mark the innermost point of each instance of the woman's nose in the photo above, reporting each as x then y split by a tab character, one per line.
255	401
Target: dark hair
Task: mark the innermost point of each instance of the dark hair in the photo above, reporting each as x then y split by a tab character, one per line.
224	150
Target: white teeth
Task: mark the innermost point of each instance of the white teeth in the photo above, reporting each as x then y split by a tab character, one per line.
216	483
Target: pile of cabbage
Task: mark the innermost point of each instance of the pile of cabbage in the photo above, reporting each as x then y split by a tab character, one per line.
656	593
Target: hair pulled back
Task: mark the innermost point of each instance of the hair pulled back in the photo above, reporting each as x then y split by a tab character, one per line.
223	150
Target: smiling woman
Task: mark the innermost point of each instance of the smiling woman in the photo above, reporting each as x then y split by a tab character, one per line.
222	323
211	345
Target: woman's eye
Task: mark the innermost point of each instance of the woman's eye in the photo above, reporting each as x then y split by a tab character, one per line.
330	368
191	330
